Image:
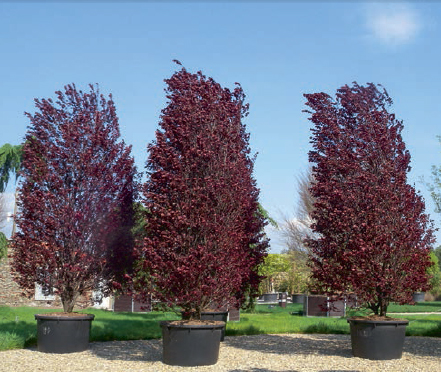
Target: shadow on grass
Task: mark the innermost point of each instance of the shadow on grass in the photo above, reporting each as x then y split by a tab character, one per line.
416	330
429	304
274	309
323	328
246	331
124	315
26	332
123	330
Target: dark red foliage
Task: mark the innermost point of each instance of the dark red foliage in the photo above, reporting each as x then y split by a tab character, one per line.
75	198
373	237
205	232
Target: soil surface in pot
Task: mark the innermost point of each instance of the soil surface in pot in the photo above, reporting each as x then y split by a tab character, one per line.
65	315
195	322
376	318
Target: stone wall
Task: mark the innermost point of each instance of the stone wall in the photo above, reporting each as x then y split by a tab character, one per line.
11	294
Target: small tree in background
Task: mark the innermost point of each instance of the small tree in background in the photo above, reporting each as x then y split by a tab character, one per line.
205	235
437	252
434	273
10	162
435	191
373	236
435	186
274	269
294	232
75	198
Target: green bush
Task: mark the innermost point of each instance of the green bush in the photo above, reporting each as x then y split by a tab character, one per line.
435	273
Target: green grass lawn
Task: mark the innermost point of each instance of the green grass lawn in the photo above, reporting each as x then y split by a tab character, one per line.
18	325
274	319
421	307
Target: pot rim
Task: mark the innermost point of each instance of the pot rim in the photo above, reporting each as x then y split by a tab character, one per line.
373	321
205	324
64	317
216	312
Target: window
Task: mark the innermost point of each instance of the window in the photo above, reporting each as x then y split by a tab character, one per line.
44	294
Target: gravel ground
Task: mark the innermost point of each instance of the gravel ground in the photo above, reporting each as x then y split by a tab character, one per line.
261	353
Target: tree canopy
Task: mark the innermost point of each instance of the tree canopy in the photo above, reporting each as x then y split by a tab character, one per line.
75	197
205	235
373	236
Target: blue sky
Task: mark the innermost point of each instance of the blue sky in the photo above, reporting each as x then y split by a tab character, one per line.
277	51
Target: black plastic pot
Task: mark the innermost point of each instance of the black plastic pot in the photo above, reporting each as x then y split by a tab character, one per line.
418	296
212	315
377	339
297	298
315	305
216	315
63	334
270	297
191	345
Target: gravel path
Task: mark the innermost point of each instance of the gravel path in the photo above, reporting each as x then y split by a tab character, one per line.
261	353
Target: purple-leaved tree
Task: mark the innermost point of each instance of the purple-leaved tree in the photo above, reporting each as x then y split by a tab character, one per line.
75	198
373	237
205	235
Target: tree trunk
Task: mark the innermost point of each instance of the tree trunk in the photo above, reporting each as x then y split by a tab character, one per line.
374	307
68	299
383	308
